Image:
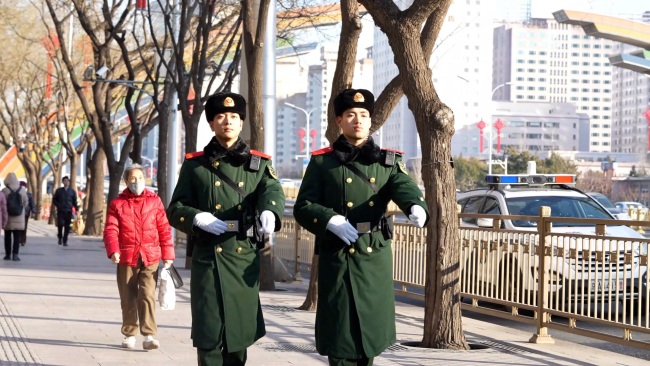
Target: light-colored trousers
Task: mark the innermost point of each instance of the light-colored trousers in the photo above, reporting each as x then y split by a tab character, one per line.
137	287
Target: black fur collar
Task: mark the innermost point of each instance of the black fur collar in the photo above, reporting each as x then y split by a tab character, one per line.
346	152
237	155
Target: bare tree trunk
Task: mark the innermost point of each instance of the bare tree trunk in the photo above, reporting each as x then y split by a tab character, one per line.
347	55
95	212
311	301
435	124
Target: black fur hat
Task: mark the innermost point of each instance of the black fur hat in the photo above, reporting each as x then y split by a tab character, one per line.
354	98
225	102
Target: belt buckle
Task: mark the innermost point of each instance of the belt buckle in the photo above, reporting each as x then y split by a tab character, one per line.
363	227
232	226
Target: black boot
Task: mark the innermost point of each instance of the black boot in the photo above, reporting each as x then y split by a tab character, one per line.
15	258
60	242
7	257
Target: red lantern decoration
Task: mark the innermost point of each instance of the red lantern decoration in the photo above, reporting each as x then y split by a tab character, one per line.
141	5
481	126
312	135
301	139
498	125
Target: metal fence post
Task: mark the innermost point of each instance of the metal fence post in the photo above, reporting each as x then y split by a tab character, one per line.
543	252
296	266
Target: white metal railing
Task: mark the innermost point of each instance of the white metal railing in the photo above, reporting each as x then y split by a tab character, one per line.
535	275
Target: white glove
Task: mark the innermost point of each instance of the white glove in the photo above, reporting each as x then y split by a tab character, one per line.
208	222
267	219
418	216
342	228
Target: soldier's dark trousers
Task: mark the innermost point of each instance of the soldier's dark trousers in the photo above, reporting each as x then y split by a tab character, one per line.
221	357
63	220
333	361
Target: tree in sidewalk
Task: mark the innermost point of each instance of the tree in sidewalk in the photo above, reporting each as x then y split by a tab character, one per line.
27	94
412	34
595	181
103	27
408	32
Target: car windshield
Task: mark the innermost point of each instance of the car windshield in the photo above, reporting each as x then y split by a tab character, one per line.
576	207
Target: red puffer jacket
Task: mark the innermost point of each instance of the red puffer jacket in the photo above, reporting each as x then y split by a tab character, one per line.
137	225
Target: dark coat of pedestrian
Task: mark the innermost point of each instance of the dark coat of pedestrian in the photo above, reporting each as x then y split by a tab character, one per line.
64	199
220	193
342	200
4	216
137	236
16	223
29	210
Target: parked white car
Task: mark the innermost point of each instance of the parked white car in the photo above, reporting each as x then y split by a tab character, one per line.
594	267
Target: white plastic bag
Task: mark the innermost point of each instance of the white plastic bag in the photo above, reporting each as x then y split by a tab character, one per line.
166	291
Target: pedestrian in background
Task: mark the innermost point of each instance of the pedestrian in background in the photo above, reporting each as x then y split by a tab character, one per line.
137	236
65	198
4	217
16	197
220	193
343	200
29	210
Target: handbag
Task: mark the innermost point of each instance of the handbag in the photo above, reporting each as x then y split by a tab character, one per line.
176	277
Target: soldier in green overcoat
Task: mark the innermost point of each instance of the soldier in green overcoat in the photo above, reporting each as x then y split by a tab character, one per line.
219	194
343	200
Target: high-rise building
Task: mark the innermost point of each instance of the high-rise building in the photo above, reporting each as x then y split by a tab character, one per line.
549	62
461	69
631	99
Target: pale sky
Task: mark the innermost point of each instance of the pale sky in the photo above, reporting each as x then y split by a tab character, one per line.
623	8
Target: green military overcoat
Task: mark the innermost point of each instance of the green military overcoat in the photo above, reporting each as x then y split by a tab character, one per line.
225	268
356	308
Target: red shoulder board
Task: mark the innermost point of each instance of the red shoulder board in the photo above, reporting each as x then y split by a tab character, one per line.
395	151
193	154
322	151
259	153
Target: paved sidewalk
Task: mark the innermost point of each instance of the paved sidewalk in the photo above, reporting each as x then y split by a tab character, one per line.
60	306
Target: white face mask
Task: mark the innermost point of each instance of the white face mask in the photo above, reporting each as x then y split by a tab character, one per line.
136	188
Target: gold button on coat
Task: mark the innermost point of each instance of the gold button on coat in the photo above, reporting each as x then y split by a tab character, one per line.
240	184
351	251
369	250
182	219
215	164
421	198
315	221
372	180
349	180
371	203
219	249
239	249
217	183
350	204
273	203
239	207
218	206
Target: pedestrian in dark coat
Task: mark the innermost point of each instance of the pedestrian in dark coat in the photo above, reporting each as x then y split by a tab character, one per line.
342	200
65	198
224	194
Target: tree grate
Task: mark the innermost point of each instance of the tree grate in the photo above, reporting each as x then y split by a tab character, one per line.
278	308
288	347
502	346
396	348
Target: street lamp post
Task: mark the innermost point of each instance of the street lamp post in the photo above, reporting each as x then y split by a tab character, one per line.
307	114
491	126
150	165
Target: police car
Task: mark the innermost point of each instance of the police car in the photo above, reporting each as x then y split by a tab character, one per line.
597	263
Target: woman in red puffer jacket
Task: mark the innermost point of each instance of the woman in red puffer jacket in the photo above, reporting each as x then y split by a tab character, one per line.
137	236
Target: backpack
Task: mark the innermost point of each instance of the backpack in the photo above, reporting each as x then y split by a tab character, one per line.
14	202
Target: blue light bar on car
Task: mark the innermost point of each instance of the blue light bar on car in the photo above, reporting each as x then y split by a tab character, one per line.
534	179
